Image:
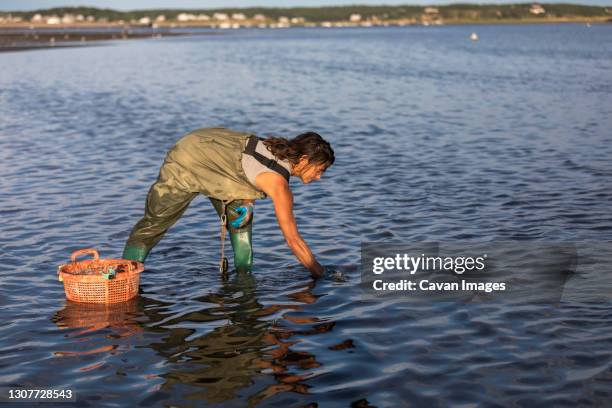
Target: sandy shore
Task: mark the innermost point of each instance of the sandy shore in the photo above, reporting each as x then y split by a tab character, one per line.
21	40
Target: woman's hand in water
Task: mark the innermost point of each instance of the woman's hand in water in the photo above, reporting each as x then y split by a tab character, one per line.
317	270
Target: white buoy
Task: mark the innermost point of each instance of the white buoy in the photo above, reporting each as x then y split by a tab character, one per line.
474	37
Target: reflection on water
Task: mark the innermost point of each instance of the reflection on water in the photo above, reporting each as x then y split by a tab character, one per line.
216	366
92	317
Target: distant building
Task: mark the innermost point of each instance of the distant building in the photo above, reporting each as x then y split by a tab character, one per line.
283	20
220	17
537	9
297	20
144	20
185	17
160	19
355	18
79	17
36	18
8	18
203	17
90	19
67	19
259	17
53	20
431	10
238	16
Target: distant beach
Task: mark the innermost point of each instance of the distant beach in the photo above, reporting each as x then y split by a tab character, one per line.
22	39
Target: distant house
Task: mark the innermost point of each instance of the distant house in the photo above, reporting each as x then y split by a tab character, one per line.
297	20
220	17
185	17
537	9
203	17
354	18
259	17
11	19
238	16
67	19
160	19
431	10
53	20
283	20
36	18
144	20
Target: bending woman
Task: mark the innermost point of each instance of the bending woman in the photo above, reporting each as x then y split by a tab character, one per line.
233	169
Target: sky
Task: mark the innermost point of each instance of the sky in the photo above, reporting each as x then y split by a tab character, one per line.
25	5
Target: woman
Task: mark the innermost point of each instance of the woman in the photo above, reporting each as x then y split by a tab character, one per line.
233	169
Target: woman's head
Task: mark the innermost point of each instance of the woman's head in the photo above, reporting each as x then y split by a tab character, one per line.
309	154
309	144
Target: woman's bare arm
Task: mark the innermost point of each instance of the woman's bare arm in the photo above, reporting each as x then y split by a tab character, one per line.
278	189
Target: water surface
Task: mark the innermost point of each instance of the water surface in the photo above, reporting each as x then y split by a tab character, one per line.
437	138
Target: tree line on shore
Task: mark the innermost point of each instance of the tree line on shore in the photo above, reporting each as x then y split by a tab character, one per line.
343	13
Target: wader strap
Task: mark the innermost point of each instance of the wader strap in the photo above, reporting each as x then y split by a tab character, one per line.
269	163
223	262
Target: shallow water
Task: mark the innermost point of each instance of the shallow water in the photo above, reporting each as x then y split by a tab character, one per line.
436	139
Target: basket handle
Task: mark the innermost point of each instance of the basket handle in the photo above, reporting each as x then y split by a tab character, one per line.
129	266
80	252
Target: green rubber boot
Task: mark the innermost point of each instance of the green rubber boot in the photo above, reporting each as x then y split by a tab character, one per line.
243	250
240	238
135	253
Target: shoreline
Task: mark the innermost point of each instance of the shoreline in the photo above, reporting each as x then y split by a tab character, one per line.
24	37
252	24
18	39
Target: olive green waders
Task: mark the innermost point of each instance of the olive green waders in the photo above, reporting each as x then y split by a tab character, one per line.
205	161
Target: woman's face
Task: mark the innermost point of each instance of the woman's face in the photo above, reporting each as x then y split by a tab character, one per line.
313	172
309	172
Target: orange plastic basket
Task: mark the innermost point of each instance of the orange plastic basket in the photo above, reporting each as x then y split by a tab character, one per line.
100	280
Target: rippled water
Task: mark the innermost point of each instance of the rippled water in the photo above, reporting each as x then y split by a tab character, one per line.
436	139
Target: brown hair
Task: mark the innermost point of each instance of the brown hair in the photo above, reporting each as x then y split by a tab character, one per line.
309	144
